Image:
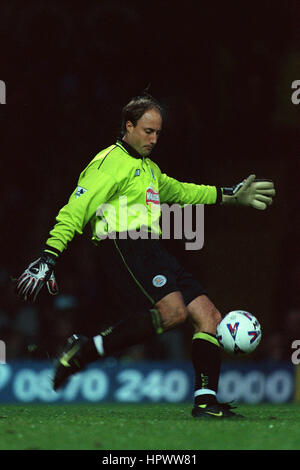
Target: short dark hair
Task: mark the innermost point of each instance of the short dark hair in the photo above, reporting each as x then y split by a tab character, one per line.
136	107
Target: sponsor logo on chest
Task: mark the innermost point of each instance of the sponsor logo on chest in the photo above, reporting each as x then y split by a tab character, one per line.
152	196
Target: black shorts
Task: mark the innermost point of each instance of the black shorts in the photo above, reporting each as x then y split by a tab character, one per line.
141	272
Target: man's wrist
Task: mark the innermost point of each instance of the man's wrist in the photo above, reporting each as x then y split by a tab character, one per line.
229	194
50	255
219	195
227	199
226	196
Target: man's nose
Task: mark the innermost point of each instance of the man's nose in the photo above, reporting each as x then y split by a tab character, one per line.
153	139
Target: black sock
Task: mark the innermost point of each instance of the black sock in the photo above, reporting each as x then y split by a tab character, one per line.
206	358
128	332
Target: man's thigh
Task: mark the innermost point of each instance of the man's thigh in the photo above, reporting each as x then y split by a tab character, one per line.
143	274
140	271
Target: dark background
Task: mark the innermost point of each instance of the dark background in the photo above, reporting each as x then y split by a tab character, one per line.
223	71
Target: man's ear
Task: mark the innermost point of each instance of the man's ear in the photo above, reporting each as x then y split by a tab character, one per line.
129	126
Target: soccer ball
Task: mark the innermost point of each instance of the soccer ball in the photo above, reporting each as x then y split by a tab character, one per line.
239	332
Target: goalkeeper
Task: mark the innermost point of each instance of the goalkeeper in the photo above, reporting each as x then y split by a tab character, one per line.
163	294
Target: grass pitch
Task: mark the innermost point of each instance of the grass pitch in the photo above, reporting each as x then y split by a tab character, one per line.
147	427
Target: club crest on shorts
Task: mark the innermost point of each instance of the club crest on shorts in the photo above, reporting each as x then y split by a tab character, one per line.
159	280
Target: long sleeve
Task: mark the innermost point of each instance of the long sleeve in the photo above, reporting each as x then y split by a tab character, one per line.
173	191
94	188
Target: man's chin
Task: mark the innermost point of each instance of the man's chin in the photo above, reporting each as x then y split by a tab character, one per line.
146	152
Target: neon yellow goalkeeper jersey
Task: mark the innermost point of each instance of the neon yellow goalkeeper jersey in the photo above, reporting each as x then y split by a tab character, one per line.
120	191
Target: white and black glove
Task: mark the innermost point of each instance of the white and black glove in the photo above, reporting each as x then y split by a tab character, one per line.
257	193
38	273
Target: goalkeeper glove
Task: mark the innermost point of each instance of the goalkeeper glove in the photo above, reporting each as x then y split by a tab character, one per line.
38	273
257	193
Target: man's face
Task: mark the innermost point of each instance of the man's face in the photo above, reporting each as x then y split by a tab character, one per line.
143	137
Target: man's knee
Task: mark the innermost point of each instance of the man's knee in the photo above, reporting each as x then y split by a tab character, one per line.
173	316
172	311
203	314
179	313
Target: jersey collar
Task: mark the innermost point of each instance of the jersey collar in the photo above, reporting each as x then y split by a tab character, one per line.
128	148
